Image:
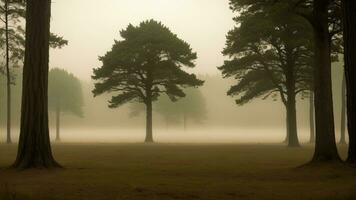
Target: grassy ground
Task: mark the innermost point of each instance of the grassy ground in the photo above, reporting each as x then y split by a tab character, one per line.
167	171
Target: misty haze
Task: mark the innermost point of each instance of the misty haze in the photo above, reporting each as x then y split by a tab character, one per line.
177	99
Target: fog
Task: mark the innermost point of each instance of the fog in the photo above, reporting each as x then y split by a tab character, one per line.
91	28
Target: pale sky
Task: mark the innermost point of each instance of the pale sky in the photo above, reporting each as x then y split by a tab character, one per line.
92	25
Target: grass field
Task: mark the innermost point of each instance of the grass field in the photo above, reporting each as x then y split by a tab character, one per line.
169	171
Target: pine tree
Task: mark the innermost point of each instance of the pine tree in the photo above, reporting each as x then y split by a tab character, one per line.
34	149
148	62
271	56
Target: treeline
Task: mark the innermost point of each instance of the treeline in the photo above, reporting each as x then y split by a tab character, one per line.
286	48
278	49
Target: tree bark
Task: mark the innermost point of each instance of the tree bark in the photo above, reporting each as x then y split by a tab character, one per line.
292	127
34	149
349	7
293	140
285	141
149	134
325	147
58	121
343	113
8	75
311	118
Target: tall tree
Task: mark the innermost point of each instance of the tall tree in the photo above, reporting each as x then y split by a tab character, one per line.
148	62
325	146
273	58
65	95
12	14
349	7
324	18
34	149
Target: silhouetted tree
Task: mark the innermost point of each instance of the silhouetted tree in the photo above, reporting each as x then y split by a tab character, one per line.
12	14
148	62
65	95
349	7
190	108
325	20
271	55
34	149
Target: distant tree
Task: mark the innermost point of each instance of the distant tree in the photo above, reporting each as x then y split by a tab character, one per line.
349	20
34	149
270	56
148	62
190	108
12	38
65	95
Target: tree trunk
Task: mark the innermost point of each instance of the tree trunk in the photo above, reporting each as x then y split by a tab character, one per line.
311	118
58	120
149	136
349	7
292	132
34	149
293	140
8	75
343	113
325	146
287	129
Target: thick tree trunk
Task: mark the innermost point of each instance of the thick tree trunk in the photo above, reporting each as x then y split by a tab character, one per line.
8	75
58	123
149	134
311	118
325	146
34	149
343	113
285	141
349	7
293	140
292	127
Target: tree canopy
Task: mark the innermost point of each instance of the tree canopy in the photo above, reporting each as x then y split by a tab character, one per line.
148	62
65	92
16	17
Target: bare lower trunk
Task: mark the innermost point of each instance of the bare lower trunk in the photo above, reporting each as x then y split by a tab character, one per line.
285	141
34	149
311	118
292	129
149	134
325	145
8	75
343	113
293	140
349	7
58	123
